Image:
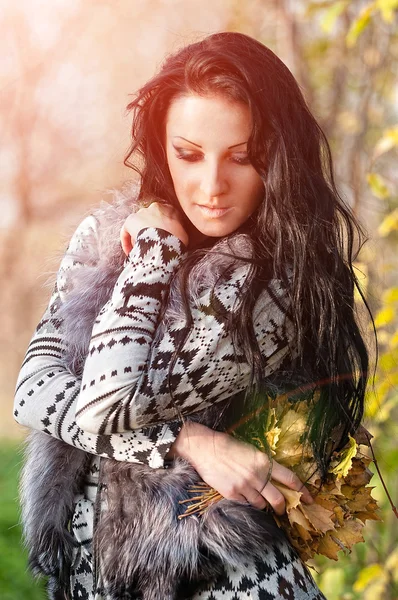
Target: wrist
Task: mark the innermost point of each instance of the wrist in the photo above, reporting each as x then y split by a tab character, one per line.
192	442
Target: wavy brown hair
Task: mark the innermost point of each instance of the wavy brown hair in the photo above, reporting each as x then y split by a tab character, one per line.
302	222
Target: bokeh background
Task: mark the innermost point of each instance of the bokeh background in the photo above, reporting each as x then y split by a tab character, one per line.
68	69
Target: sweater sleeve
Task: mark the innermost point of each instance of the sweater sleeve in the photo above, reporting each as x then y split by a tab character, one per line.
47	393
125	379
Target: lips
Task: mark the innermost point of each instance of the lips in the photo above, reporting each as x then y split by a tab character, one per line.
213	212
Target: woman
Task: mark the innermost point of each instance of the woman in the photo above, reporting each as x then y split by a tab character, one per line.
225	268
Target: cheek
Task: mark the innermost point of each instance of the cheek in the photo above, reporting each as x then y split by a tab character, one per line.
255	189
180	177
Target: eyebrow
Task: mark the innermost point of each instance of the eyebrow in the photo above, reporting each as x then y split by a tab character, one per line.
193	143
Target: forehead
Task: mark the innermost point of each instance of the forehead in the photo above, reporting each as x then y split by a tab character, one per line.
200	118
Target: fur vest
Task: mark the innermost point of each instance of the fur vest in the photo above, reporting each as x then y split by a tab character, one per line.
140	545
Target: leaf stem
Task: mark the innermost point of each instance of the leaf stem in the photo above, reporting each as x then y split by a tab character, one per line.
394	508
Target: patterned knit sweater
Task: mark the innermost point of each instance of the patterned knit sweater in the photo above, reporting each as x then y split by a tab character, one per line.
121	407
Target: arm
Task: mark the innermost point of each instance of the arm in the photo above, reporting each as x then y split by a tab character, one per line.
47	393
124	383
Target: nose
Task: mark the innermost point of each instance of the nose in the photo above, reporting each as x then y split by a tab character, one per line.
213	181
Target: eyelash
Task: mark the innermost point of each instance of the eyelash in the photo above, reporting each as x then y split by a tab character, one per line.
194	158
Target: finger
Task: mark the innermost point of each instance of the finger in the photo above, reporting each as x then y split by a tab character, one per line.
275	498
238	498
256	499
290	479
126	242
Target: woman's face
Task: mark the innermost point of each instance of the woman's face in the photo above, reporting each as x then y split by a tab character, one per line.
206	146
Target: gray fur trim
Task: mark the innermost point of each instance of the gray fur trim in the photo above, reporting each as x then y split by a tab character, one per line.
144	548
51	476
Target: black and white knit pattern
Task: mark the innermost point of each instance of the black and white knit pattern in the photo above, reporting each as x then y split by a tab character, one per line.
124	384
47	393
122	406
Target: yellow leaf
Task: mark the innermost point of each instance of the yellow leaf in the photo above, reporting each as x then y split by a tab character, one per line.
344	463
388	141
385	316
387	9
377	185
394	340
273	432
359	25
367	575
390	296
389	361
389	223
332	14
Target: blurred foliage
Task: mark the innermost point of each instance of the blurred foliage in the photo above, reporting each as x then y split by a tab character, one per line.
15	580
370	571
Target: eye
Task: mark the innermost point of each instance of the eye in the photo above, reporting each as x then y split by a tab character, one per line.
188	157
244	160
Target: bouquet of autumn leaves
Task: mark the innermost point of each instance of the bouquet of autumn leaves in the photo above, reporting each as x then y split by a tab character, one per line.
342	503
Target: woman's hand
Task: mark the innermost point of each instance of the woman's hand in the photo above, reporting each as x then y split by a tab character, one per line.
238	471
157	214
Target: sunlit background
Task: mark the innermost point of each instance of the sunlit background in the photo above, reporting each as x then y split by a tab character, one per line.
68	68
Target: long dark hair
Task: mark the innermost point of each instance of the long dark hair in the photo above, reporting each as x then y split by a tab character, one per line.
302	222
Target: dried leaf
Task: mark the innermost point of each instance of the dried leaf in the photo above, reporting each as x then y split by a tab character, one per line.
361	500
359	477
339	514
297	517
328	547
319	517
368	516
362	436
292	497
303	532
350	533
289	450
